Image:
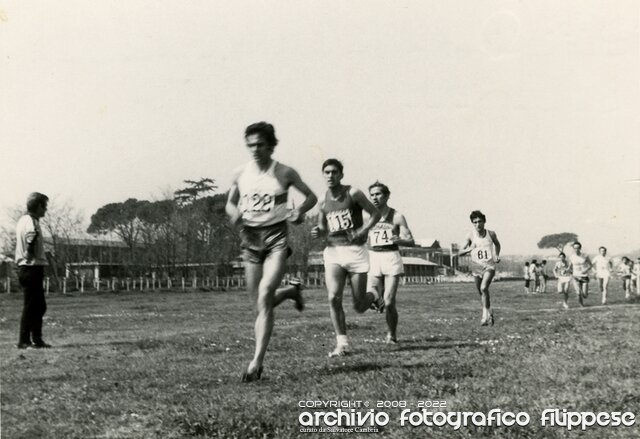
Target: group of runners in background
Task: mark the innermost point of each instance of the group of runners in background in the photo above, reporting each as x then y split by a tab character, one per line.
363	249
577	270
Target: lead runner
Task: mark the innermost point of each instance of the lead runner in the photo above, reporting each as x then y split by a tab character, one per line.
484	247
257	203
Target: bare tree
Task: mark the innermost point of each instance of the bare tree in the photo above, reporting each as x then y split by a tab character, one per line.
62	222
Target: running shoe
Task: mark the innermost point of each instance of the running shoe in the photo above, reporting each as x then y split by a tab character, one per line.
299	300
391	340
340	351
253	376
378	305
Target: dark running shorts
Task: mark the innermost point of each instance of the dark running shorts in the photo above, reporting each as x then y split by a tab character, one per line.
581	279
260	242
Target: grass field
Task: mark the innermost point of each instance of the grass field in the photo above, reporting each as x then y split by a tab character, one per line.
167	365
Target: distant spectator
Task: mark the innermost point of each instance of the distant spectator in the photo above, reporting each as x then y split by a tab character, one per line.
543	276
527	277
533	270
30	259
635	275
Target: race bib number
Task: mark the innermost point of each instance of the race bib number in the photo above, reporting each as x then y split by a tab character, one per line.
257	203
482	255
381	236
563	270
339	220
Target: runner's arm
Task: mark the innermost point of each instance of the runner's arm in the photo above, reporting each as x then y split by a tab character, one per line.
406	237
466	249
496	244
231	208
310	198
320	229
374	214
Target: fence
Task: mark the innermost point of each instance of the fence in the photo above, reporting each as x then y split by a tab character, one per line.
145	283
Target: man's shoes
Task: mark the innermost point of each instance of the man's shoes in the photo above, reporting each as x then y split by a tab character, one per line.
340	351
299	300
22	345
248	377
378	304
41	345
391	340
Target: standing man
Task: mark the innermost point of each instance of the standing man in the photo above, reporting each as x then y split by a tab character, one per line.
562	272
580	266
341	221
527	277
543	276
385	262
535	275
603	267
484	247
257	203
30	259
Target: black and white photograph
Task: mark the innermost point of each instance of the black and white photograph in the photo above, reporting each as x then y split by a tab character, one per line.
295	219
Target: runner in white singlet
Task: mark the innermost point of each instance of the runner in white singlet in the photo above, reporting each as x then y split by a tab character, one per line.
625	272
562	272
484	247
257	205
603	267
385	260
580	267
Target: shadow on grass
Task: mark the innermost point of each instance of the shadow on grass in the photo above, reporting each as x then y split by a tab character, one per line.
362	367
449	345
436	371
144	344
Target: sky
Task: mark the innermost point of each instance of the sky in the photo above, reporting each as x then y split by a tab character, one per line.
526	110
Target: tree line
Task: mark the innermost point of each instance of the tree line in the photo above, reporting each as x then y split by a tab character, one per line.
170	235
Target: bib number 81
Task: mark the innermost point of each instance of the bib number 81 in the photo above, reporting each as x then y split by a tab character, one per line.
483	255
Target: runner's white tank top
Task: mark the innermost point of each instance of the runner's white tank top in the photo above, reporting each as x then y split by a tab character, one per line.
482	252
579	264
263	200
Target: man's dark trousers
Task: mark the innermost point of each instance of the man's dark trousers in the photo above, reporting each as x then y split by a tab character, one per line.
31	278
